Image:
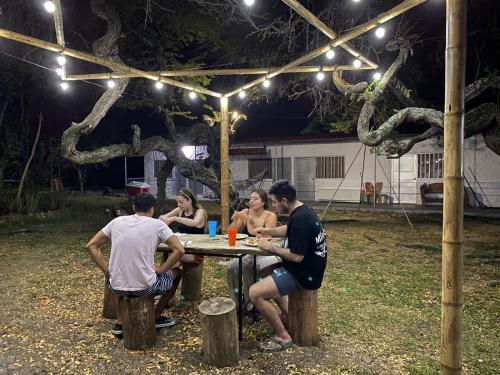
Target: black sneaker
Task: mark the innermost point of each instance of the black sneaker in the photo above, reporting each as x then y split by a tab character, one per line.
163	322
117	330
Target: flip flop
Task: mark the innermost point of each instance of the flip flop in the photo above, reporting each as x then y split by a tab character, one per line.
275	345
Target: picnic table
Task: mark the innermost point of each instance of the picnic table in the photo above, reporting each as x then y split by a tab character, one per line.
202	244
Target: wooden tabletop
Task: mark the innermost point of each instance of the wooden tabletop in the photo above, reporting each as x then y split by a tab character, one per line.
202	244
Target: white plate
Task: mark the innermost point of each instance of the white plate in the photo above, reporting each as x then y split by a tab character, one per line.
239	236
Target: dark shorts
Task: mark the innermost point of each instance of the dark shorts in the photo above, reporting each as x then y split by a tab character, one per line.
285	282
162	285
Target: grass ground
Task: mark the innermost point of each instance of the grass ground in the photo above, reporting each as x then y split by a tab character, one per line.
379	304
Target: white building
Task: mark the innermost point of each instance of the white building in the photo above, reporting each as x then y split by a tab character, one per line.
321	165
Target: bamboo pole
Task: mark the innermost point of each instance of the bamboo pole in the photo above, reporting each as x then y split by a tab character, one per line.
453	204
100	61
58	25
367	26
313	20
217	72
224	163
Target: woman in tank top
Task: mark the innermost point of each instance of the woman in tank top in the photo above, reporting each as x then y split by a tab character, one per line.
190	218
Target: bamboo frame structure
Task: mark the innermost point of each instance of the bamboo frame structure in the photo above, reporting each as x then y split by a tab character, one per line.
217	72
316	22
340	40
100	61
453	210
124	71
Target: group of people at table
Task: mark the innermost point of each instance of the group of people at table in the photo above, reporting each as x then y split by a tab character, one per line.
299	263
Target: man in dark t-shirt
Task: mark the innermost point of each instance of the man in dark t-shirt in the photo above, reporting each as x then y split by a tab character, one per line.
304	255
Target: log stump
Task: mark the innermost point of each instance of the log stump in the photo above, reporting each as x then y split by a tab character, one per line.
303	317
109	303
138	320
191	281
219	331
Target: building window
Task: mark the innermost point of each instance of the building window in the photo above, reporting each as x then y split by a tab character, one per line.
158	166
282	169
330	167
430	165
257	166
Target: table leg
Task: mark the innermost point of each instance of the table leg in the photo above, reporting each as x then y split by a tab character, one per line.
240	297
254	281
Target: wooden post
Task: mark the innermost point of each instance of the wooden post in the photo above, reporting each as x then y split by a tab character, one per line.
219	331
224	163
138	319
109	303
453	214
303	317
191	281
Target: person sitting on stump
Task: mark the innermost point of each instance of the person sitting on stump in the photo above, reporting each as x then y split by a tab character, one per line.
304	255
131	269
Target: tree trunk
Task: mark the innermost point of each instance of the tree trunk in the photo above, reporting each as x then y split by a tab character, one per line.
219	331
165	171
303	317
23	177
138	319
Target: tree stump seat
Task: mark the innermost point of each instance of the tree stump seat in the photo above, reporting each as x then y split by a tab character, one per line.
138	321
303	317
191	281
219	331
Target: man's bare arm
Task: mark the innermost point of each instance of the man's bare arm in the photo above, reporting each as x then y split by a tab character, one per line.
177	252
94	248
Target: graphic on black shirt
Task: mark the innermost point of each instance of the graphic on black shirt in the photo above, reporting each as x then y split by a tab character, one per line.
305	236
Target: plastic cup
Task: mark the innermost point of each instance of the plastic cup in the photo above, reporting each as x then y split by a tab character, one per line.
231	236
212	228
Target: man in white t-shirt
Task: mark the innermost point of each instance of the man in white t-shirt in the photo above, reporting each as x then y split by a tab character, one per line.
131	270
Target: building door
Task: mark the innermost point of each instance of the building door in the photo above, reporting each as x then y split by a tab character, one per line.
305	174
404	180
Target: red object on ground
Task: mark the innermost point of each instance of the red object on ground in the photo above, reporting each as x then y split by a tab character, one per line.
136	187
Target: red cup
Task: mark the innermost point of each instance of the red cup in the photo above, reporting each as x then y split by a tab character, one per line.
231	236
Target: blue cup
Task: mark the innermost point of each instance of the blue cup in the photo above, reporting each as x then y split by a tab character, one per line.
212	228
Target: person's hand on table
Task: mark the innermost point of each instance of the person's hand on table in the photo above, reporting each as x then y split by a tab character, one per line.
264	244
261	232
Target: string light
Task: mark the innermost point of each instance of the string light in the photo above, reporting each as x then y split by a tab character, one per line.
356	63
111	84
266	84
377	76
330	54
64	86
192	95
249	3
356	1
380	32
242	94
49	6
159	85
235	115
61	60
59	72
320	76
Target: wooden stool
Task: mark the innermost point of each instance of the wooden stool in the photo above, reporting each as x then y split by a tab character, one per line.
138	320
219	331
303	317
191	281
109	302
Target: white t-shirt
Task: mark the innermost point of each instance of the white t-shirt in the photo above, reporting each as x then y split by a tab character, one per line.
134	240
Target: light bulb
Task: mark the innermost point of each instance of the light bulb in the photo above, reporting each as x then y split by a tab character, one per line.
49	6
249	3
356	1
377	76
266	84
380	32
235	115
61	60
356	63
320	76
242	94
111	84
330	54
64	86
192	95
59	72
159	85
